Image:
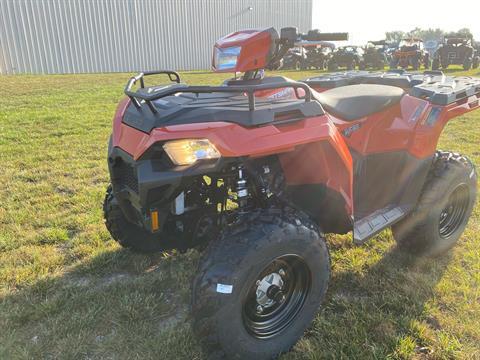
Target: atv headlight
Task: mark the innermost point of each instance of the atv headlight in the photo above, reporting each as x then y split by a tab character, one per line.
226	59
187	152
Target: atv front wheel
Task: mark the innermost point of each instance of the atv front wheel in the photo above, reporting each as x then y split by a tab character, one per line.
260	285
127	234
332	66
443	209
415	64
393	64
467	64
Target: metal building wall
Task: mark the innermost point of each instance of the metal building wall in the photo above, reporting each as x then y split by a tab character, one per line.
77	36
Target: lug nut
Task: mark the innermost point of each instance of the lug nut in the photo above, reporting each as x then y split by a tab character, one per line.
257	283
259	309
281	272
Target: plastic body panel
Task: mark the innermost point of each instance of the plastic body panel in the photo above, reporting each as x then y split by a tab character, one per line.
316	138
392	150
256	49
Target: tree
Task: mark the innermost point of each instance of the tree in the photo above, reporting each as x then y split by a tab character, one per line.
426	34
394	36
462	32
415	33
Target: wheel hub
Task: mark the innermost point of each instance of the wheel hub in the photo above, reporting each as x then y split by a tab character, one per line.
277	296
454	212
269	290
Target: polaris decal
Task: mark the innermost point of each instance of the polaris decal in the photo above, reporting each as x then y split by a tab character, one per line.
285	93
433	116
418	113
348	131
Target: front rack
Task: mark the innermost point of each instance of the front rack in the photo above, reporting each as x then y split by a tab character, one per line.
154	94
173	76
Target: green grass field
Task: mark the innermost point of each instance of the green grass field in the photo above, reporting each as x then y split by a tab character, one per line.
68	291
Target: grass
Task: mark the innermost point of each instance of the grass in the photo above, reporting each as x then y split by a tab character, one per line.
68	291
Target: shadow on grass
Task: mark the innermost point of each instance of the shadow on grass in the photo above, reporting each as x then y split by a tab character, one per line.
378	312
120	304
117	304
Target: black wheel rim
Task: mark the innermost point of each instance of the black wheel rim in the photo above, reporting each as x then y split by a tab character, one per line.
453	215
276	296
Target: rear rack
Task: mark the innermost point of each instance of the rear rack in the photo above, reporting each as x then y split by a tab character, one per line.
154	93
433	86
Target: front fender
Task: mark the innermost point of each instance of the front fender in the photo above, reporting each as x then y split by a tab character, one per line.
312	151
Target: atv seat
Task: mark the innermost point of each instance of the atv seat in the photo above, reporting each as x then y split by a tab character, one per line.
353	102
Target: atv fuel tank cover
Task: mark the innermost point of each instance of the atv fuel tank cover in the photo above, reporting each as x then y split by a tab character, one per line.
353	102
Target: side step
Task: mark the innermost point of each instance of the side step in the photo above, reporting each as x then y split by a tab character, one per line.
372	224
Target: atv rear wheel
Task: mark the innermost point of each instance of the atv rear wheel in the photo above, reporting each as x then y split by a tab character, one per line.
426	62
476	62
260	285
443	209
129	235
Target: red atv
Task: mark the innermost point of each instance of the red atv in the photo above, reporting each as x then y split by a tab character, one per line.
258	169
410	52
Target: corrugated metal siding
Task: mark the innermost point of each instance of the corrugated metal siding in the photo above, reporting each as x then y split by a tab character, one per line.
76	36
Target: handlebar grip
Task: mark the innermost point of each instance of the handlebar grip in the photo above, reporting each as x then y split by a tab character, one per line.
316	36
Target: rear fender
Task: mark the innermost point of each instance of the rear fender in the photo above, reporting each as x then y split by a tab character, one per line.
430	127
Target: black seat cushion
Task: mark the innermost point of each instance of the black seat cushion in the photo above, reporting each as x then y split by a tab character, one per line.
353	102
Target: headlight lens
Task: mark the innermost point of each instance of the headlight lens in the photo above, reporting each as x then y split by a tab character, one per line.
226	59
187	152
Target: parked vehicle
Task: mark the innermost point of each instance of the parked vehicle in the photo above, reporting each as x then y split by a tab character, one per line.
456	50
410	52
295	59
318	55
390	49
346	57
258	169
374	56
312	54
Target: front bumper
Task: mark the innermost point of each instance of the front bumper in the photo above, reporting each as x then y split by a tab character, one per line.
150	183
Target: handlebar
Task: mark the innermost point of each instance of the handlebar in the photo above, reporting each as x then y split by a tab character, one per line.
317	36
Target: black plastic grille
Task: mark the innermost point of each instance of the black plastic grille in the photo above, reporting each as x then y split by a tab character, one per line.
126	175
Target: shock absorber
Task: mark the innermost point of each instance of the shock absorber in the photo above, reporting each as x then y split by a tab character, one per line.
242	188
